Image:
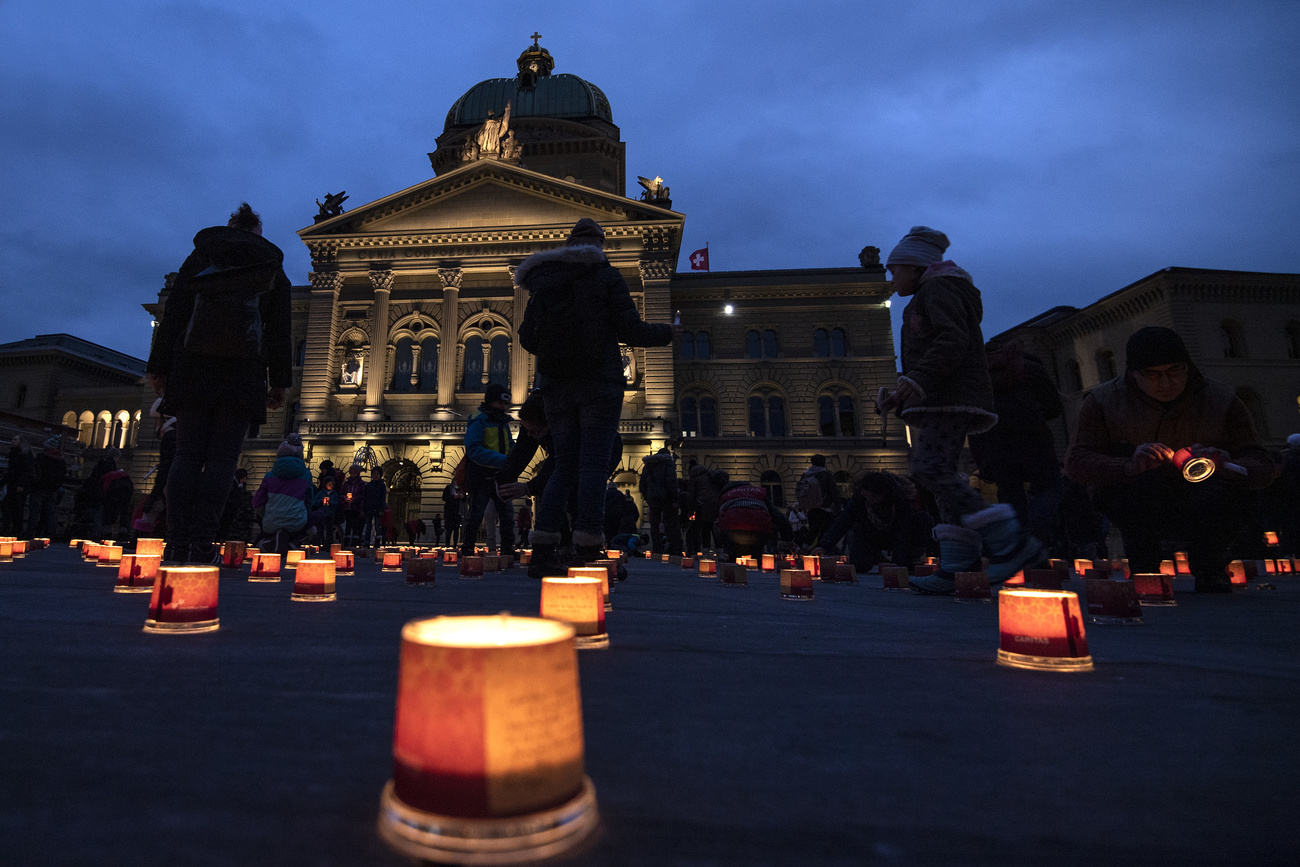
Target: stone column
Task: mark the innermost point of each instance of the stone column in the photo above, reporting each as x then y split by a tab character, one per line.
320	367
415	365
657	375
377	374
519	381
450	340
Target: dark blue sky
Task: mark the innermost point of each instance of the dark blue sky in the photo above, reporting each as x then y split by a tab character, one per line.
1067	148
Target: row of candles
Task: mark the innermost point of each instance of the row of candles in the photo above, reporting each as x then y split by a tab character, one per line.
488	752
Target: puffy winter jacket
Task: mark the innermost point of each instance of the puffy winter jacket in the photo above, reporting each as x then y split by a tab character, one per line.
284	494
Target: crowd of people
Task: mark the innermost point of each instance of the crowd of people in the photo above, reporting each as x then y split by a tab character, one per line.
1161	453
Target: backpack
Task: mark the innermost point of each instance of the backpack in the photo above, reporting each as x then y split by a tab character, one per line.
810	490
227	316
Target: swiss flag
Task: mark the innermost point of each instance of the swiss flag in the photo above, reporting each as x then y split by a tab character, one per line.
700	259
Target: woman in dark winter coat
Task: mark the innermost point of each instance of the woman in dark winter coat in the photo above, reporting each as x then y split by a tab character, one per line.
579	311
221	357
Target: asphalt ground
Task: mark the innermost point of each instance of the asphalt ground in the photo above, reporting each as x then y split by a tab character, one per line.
723	726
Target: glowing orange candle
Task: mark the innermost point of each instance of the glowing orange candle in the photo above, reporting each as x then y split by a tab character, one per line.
314	581
450	557
293	557
796	584
614	554
487	743
422	570
233	553
136	573
732	575
392	561
1270	567
90	552
1154	589
1270	538
1237	573
601	574
1112	601
769	562
6	552
21	546
708	567
184	600
110	555
1042	629
580	602
149	546
1284	566
343	563
265	567
811	564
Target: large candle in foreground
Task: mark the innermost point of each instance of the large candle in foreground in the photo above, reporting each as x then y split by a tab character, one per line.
1042	629
184	600
314	581
580	602
487	743
264	567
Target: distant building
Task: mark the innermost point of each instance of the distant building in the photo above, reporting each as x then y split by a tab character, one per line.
1241	328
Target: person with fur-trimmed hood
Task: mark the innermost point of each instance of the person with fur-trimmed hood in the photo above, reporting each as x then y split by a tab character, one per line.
943	394
579	311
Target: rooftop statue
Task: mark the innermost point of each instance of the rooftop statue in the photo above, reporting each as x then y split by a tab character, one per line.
655	190
333	204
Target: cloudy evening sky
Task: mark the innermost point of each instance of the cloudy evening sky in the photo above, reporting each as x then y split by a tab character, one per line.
1067	148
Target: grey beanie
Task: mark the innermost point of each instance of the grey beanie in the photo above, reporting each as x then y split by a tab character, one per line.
921	246
290	448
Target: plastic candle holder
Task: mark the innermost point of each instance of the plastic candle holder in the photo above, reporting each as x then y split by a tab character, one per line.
450	557
580	602
841	573
90	551
732	575
1157	590
972	587
487	743
233	553
137	572
1112	601
314	581
894	578
491	563
1042	630
708	567
422	570
6	552
471	568
1044	579
600	573
796	584
184	600
149	546
264	567
343	563
392	562
109	556
21	546
769	562
293	557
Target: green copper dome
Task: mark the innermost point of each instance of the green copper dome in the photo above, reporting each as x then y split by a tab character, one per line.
534	92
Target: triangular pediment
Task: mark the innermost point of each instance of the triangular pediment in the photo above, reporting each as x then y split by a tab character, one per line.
487	195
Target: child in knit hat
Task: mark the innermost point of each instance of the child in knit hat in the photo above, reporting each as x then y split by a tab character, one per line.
943	394
284	494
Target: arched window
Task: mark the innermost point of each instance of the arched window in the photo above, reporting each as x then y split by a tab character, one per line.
473	379
699	416
403	366
20	398
103	424
1105	365
766	414
686	346
1258	413
1234	339
499	361
770	346
753	344
836	416
839	343
86	428
1074	374
429	364
1293	340
771	482
703	345
121	430
135	429
69	420
821	343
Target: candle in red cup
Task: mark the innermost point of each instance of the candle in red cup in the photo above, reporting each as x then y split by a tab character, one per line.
265	566
769	562
392	561
578	601
343	563
708	567
314	581
110	556
450	558
1112	601
6	551
20	548
233	553
136	573
184	600
1154	589
797	583
90	551
1043	630
293	556
149	546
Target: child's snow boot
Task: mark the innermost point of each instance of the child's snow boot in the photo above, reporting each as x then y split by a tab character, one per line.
1009	547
